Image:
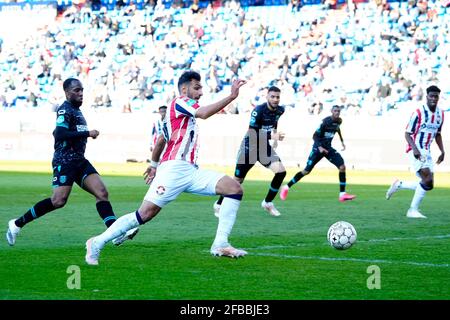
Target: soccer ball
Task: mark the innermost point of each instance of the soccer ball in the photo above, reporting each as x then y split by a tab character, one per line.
341	235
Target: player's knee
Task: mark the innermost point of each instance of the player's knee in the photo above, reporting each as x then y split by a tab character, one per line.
148	213
59	202
342	168
240	180
102	194
305	172
428	183
235	188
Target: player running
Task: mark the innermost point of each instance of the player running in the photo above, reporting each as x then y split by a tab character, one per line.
255	147
70	166
425	125
178	171
323	137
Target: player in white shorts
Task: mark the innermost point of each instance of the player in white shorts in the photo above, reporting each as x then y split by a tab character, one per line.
424	126
178	171
177	176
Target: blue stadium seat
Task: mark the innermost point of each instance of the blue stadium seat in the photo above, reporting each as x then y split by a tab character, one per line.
203	3
244	3
167	3
139	4
109	4
62	4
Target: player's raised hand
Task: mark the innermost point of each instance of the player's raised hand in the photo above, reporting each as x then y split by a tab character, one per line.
343	147
440	158
235	86
94	134
149	174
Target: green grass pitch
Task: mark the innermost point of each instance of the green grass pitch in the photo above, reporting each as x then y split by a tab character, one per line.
289	257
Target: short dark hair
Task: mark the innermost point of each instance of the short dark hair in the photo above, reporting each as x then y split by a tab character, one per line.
187	77
68	83
336	106
433	89
162	107
274	89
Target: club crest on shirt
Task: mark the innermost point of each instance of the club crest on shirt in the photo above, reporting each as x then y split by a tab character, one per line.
160	190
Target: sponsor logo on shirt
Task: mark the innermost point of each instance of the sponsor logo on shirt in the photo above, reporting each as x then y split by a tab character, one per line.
60	119
429	126
82	128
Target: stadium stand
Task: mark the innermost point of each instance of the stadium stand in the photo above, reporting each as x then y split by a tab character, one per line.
370	57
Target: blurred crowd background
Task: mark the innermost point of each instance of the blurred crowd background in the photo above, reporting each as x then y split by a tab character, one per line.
371	57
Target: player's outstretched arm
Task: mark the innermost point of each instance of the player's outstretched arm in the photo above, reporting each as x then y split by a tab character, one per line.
209	110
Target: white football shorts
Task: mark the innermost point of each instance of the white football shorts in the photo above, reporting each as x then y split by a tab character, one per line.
425	161
176	176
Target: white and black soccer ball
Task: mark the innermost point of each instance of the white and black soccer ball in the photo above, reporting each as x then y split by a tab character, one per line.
341	235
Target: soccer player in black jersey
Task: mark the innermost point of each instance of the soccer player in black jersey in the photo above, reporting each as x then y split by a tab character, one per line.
70	165
322	148
255	147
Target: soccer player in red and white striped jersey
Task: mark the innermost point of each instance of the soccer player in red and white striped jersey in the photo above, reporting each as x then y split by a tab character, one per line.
424	126
178	171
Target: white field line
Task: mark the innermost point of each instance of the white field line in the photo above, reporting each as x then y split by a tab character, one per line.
443	236
414	263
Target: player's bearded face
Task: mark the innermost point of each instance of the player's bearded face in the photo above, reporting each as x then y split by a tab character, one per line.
336	112
194	90
273	98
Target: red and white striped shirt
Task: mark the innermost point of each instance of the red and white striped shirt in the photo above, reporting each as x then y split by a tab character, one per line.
424	125
157	130
182	131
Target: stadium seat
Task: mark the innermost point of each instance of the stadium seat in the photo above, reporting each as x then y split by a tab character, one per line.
203	3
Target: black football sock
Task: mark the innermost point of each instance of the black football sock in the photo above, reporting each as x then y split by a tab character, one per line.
36	211
219	202
342	181
275	186
295	179
106	212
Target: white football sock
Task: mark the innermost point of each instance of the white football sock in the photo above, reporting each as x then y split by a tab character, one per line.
118	228
418	196
227	217
411	185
